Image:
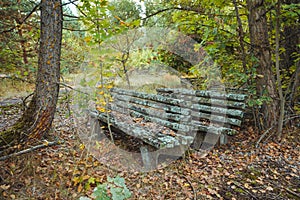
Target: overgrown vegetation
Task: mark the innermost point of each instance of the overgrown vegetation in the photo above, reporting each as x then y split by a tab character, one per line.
248	46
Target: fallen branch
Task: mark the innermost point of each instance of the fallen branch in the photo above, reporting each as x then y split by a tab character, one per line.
244	189
292	192
45	144
267	131
193	188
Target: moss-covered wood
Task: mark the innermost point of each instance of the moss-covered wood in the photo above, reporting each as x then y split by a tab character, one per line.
156	139
204	93
188	113
152	103
207	100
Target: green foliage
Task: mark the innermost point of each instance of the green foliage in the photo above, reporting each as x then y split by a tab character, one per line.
72	53
125	10
114	188
95	20
18	41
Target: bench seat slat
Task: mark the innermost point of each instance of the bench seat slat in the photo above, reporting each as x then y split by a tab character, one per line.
175	126
156	139
213	129
216	118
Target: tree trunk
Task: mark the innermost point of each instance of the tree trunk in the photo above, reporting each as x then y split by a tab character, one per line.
37	119
261	50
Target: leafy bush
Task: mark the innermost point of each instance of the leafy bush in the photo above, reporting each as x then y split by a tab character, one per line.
114	188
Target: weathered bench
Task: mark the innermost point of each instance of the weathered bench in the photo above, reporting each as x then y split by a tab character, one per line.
216	115
194	117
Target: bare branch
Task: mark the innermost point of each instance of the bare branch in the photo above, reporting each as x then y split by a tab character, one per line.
71	16
45	144
70	2
70	29
191	9
24	20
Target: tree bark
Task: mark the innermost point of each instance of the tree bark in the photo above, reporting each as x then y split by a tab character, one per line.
261	50
37	119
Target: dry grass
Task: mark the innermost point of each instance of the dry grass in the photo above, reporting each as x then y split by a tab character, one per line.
14	88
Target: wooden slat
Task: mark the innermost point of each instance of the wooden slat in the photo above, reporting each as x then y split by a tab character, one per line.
213	129
153	104
204	93
172	125
123	107
154	112
216	118
207	100
218	110
155	139
152	97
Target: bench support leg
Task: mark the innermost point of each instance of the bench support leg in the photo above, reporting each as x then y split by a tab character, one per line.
149	158
223	139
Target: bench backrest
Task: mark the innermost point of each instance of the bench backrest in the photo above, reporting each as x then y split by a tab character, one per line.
219	108
182	110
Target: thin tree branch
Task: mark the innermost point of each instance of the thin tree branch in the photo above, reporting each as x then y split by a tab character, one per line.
24	20
191	9
70	29
70	87
267	131
292	192
70	2
45	144
71	16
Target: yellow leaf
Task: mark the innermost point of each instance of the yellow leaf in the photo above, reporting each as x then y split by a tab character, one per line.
101	109
81	147
246	185
76	180
85	177
88	39
101	92
109	86
186	185
45	142
79	189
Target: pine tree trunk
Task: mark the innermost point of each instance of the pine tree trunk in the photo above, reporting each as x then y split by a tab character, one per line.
265	84
37	119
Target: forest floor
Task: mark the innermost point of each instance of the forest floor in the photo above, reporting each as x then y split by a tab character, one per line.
238	170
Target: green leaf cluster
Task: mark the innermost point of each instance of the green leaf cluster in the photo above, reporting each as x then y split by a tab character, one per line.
116	187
